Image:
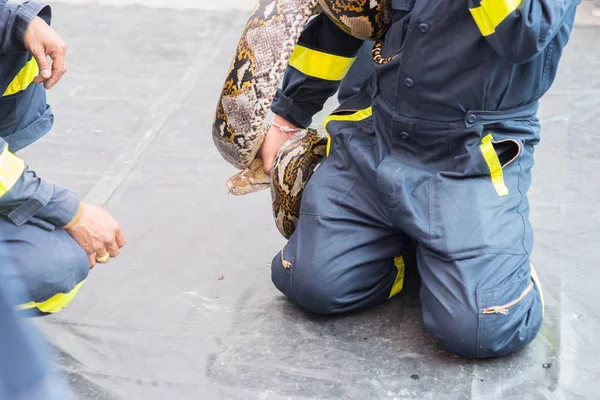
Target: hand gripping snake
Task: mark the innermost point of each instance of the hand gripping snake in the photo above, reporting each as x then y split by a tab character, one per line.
262	55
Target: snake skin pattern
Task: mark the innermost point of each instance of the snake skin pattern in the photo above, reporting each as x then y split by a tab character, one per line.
262	55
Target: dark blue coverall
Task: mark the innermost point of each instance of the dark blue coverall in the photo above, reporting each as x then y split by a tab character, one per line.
33	211
25	360
432	157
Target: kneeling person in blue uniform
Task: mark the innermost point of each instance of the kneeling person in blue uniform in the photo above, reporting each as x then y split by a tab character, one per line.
47	232
431	161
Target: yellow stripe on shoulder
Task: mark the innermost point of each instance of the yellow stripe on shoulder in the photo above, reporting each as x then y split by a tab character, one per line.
491	13
318	64
24	78
11	169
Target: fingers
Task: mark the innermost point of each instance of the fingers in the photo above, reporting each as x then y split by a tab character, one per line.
92	259
43	65
102	256
120	238
113	249
41	41
59	65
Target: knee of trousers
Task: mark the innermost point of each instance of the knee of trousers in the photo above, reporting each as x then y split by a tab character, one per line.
482	331
53	274
307	287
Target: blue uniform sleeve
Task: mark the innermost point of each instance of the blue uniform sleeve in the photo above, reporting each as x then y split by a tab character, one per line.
321	59
519	30
24	197
14	22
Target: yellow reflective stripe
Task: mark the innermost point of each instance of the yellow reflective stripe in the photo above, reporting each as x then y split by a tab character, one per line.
399	282
55	303
491	13
11	169
536	279
357	116
320	65
491	158
24	78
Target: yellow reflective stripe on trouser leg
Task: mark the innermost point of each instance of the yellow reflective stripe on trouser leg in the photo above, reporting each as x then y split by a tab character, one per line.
318	64
357	116
24	78
491	13
399	282
537	282
11	169
493	163
55	303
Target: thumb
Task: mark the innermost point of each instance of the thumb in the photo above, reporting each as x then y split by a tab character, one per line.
43	66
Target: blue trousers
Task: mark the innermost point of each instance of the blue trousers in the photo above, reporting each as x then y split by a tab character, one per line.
49	263
448	193
24	362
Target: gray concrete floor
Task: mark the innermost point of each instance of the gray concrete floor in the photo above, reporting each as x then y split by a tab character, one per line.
133	118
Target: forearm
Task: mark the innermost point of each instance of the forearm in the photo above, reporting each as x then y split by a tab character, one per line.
25	197
15	19
321	59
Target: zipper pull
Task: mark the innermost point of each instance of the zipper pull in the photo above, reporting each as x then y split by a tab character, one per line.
495	310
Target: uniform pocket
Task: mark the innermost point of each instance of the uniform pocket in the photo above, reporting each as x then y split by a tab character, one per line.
331	181
350	131
506	313
474	207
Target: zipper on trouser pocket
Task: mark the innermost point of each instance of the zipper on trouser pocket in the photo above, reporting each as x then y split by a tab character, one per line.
503	309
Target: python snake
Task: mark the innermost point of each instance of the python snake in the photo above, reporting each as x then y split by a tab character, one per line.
262	55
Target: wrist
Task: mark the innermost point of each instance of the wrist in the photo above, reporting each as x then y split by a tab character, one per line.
26	13
76	218
284	126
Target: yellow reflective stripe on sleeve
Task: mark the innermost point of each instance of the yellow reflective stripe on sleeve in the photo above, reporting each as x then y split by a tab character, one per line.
11	169
493	163
24	78
491	13
357	116
399	282
320	65
537	282
55	303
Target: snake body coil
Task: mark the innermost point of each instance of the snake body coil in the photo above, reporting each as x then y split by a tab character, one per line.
262	55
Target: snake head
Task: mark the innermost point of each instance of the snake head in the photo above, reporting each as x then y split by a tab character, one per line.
252	179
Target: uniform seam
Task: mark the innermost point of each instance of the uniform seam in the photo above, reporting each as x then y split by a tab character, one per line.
457	256
430	197
522	195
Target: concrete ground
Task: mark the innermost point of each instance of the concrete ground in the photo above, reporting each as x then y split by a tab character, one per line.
133	119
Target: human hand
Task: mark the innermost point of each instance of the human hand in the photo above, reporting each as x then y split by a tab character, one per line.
274	139
41	41
98	234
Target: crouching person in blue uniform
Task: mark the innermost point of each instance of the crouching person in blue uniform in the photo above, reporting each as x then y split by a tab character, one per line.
431	161
47	232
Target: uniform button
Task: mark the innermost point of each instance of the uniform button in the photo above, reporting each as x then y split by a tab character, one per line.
409	82
404	135
471	118
424	28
